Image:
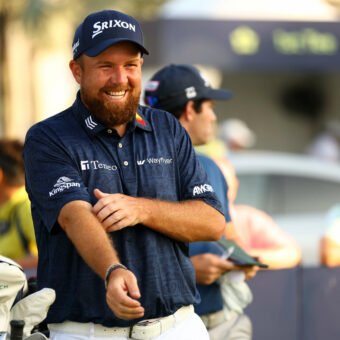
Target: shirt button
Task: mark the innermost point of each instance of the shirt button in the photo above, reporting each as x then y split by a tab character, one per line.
109	131
120	145
126	163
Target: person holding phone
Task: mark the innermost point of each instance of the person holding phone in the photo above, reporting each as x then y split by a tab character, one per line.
184	92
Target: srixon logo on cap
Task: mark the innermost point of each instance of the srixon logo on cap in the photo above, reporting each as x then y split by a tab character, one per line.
100	26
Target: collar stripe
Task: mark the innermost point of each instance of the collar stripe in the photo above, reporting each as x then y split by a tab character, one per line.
140	119
90	123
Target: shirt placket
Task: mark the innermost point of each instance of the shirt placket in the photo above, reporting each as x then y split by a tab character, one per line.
125	152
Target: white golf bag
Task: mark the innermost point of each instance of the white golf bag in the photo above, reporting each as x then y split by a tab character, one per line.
32	309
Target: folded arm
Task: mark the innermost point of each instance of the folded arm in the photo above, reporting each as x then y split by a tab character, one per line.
96	248
186	221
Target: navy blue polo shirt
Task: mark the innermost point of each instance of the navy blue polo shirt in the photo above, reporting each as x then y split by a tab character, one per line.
211	297
69	155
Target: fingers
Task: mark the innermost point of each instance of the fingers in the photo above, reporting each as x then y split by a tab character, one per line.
123	223
109	214
125	309
116	211
107	209
103	200
129	313
209	267
250	271
99	194
133	289
121	295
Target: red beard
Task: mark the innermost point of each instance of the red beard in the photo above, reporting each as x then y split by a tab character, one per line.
112	114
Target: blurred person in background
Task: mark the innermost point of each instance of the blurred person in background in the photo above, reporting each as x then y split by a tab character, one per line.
326	145
236	135
17	239
233	135
330	241
184	92
261	237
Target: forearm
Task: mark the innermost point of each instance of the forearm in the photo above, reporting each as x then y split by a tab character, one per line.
86	233
278	258
188	221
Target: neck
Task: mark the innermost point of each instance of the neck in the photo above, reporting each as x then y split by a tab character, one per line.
121	129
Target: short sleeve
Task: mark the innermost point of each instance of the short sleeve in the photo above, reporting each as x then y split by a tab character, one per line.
218	183
194	182
52	178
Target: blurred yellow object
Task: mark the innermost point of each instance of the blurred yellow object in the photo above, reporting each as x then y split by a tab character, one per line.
215	148
17	210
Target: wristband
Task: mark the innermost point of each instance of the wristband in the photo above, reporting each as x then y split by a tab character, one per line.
111	269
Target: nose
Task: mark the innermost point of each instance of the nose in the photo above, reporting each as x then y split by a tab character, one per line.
213	116
118	76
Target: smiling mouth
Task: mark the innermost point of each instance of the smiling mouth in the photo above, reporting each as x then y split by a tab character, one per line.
116	95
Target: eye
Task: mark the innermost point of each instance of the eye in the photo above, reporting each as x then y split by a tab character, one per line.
131	65
105	66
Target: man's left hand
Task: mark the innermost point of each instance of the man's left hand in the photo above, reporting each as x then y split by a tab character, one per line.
117	211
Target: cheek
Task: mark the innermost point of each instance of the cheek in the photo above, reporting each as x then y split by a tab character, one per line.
96	79
135	79
208	121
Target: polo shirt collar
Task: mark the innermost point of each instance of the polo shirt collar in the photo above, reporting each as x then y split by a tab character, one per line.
93	127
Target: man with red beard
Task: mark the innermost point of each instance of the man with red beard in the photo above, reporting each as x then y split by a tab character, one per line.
117	193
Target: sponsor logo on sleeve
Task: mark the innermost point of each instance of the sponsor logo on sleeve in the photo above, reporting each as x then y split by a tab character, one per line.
201	189
62	184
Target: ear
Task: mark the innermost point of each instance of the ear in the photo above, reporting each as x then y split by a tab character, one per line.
189	111
76	70
1	175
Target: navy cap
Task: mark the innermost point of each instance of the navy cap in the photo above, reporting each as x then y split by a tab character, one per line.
102	29
175	85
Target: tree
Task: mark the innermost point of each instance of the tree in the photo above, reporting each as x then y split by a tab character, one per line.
35	16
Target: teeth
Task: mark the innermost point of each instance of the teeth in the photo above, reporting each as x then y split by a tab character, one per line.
116	94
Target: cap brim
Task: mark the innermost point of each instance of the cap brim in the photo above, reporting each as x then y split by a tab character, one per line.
99	48
218	94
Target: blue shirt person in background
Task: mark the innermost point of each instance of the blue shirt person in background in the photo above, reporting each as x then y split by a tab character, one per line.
117	193
184	92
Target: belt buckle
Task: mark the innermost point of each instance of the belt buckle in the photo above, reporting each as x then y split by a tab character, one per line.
138	327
